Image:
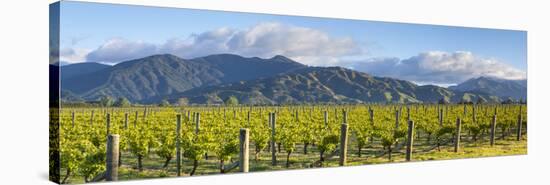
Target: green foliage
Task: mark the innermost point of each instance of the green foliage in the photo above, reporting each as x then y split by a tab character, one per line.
481	100
140	140
122	102
232	100
226	149
196	145
329	143
390	137
166	144
93	164
259	134
362	135
183	101
446	130
82	147
164	103
106	101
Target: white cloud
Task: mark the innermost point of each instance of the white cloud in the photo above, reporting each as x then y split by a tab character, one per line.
307	45
118	49
73	55
196	45
436	67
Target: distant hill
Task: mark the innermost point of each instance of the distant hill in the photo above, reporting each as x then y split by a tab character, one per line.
277	80
159	75
516	89
322	85
71	70
236	68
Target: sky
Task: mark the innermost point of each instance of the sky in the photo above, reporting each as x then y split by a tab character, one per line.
424	54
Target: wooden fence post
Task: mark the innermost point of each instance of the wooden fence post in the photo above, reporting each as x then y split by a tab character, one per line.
440	117
371	114
457	136
108	123
92	118
344	116
396	120
135	120
197	122
474	113
111	174
273	154
519	127
144	113
178	143
410	137
493	128
248	118
325	115
73	118
343	144
244	150
125	120
408	113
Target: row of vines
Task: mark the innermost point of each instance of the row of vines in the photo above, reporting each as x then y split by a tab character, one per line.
212	134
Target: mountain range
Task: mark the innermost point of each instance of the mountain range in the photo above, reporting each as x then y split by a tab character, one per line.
277	80
516	89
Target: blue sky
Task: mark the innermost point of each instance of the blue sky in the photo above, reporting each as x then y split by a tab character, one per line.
92	32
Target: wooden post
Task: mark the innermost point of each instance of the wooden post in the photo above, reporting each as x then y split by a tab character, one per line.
408	114
440	117
325	115
519	127
438	112
135	120
108	123
178	143
144	113
396	120
410	137
197	122
273	154
244	150
73	118
343	144
125	120
457	136
92	118
493	128
474	113
111	174
371	114
248	118
269	120
344	116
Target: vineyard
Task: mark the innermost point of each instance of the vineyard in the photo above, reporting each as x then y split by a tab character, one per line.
209	140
